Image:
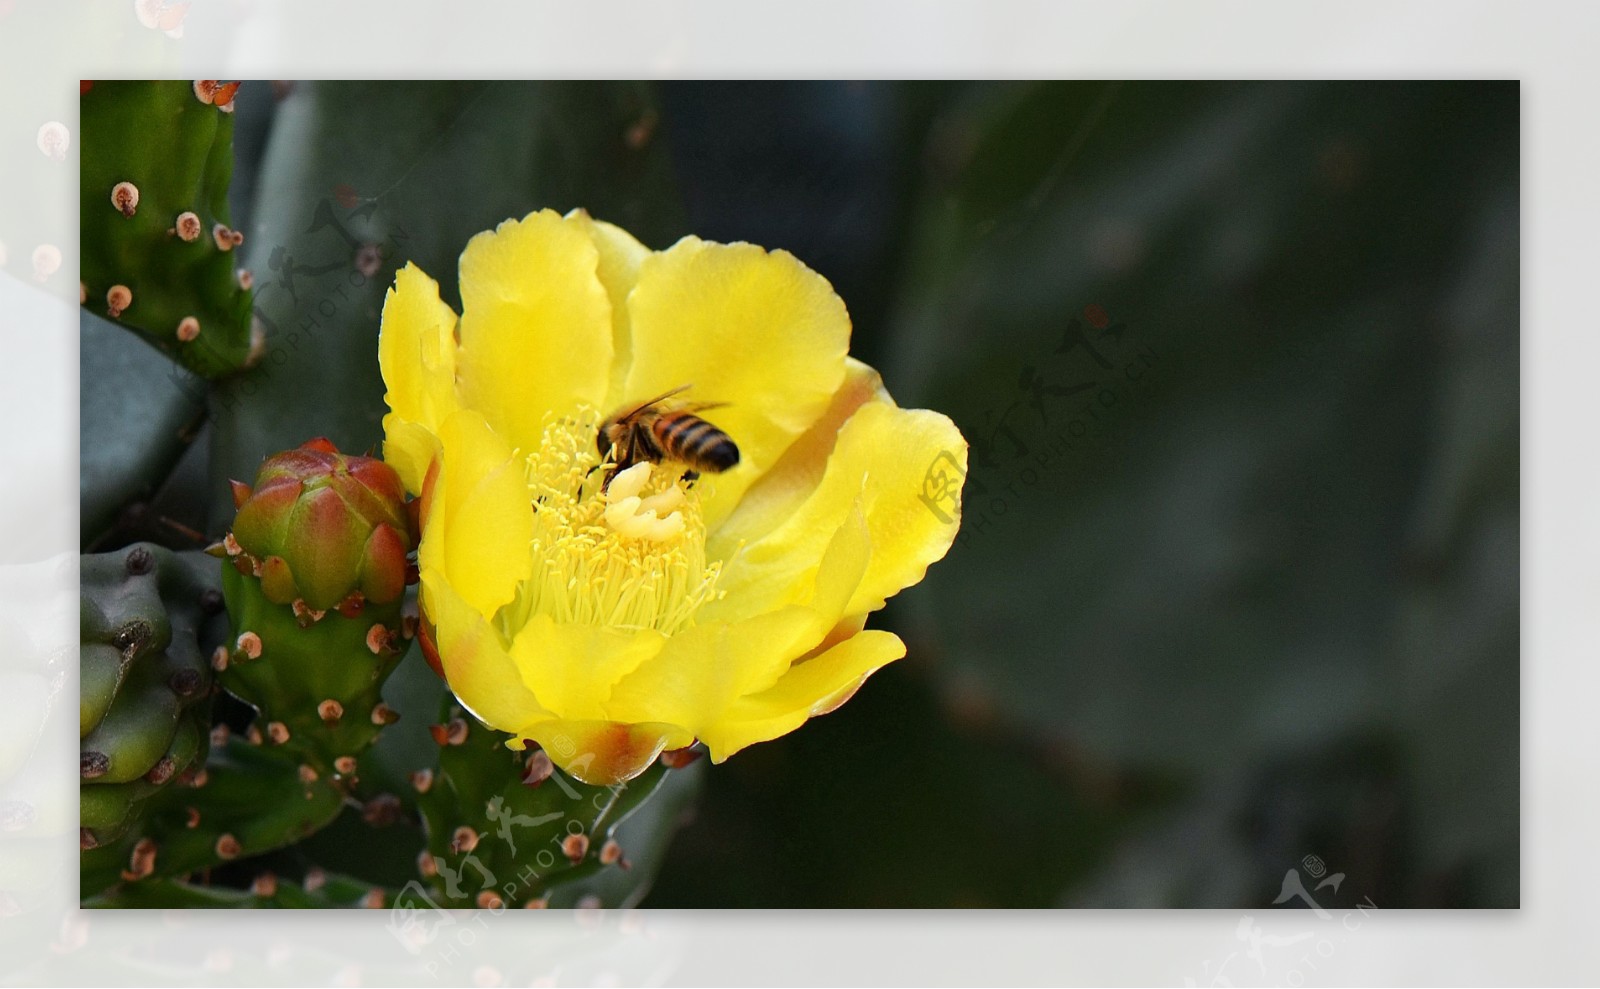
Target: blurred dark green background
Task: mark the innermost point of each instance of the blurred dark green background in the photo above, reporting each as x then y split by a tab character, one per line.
1239	364
1238	577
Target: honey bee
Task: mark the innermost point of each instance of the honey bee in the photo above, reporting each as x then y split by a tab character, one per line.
649	432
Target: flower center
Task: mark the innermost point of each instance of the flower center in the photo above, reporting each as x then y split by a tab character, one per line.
631	556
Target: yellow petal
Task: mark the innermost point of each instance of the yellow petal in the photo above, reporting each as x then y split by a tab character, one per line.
693	678
757	330
409	448
775	495
416	349
572	668
843	566
883	457
417	354
476	663
620	257
701	670
897	450
605	753
481	521
536	332
809	688
764	577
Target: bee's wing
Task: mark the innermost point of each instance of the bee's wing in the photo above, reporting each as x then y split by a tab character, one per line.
620	416
701	406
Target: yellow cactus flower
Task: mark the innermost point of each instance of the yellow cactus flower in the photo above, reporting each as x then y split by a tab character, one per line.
610	622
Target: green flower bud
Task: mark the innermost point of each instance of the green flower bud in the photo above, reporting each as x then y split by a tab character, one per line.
325	529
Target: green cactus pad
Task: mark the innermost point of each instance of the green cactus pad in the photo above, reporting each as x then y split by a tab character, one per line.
137	415
105	809
507	825
157	251
316	889
318	677
249	800
145	701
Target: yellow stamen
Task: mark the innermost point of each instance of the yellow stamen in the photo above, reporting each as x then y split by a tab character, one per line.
631	556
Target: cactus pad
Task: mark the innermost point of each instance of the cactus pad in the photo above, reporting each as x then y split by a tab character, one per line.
157	251
145	689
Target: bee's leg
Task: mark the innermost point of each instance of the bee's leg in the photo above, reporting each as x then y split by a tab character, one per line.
689	477
624	459
643	446
600	466
606	464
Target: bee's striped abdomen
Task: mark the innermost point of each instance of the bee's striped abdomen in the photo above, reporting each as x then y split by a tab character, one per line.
686	437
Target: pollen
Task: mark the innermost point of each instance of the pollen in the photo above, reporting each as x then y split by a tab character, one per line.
634	517
632	556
